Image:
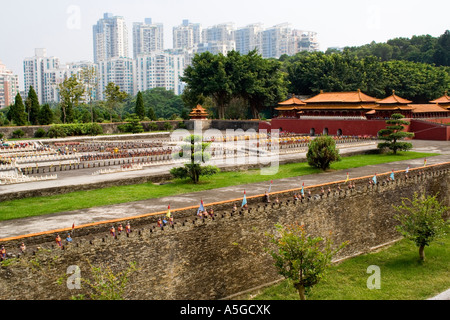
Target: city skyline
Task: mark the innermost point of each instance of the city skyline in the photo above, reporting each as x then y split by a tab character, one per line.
65	27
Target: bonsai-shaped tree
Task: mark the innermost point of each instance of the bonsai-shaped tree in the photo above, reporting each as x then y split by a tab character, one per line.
393	133
300	257
421	220
194	150
134	125
322	152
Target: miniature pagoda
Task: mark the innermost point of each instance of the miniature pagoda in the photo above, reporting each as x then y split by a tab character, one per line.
198	113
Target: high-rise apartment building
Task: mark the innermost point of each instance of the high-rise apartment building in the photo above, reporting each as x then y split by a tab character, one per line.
160	70
187	35
215	47
249	38
52	79
110	38
9	86
148	37
219	33
303	41
120	71
34	69
276	41
55	76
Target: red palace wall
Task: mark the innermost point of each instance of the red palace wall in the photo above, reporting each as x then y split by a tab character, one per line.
424	130
346	127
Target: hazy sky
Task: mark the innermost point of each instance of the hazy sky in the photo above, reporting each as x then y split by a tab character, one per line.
64	27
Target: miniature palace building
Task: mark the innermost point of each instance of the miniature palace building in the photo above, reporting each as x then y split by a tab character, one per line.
356	113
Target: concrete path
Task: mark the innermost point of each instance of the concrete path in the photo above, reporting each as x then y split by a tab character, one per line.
443	296
80	217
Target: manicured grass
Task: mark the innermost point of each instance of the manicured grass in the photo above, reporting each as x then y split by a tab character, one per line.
114	195
403	276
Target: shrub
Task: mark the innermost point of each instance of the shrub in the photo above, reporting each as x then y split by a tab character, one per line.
19	133
75	129
152	126
91	129
168	126
133	125
123	128
40	133
56	131
322	152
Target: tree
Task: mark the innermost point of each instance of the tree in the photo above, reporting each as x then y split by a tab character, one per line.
260	82
300	257
34	107
113	97
17	113
164	103
394	133
421	220
441	56
140	108
70	91
133	125
207	76
151	114
322	152
419	82
89	80
45	115
308	73
194	150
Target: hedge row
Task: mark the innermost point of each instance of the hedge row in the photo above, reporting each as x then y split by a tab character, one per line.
74	129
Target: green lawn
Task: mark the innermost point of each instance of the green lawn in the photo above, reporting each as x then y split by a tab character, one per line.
114	195
403	276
